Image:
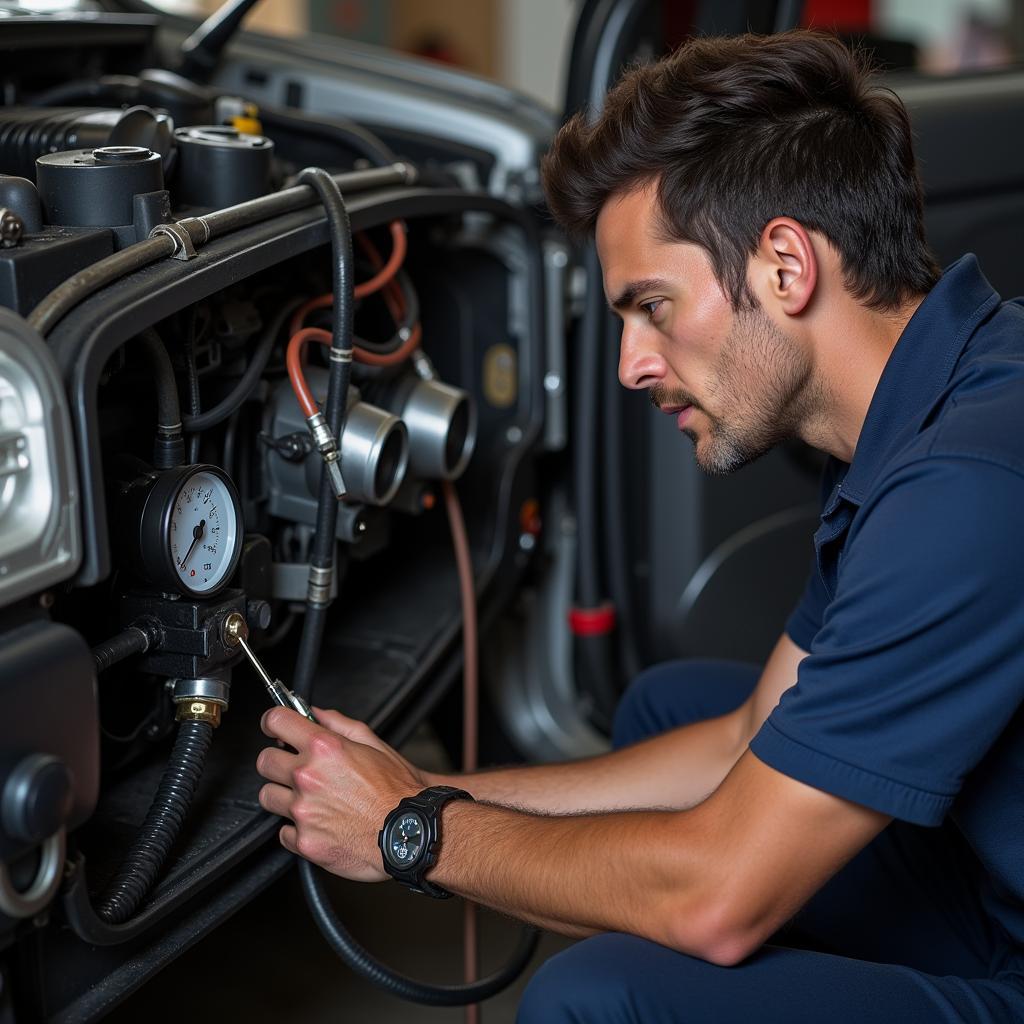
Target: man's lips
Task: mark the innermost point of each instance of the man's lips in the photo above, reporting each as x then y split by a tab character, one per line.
681	412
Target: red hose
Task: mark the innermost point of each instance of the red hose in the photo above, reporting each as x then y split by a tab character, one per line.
382	277
297	344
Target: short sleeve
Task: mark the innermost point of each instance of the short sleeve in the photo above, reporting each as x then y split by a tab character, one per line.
919	662
805	619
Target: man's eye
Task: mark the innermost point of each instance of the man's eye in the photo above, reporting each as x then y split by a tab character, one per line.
650	308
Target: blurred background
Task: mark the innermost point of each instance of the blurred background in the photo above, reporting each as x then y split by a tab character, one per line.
524	43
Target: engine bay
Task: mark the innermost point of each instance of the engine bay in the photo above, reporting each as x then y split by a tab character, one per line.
170	275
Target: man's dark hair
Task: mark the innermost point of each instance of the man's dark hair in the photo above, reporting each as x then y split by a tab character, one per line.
735	131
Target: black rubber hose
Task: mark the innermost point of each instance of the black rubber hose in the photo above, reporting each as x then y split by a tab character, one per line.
409	320
80	286
194	398
163	823
201	51
347	134
396	984
249	380
168	447
88	91
97	275
339	375
134	640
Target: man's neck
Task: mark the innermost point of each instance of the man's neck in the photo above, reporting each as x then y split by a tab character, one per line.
855	345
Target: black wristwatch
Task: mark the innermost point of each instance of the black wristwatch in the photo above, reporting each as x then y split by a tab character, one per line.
411	837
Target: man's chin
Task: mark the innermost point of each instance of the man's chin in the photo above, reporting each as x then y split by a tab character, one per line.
716	458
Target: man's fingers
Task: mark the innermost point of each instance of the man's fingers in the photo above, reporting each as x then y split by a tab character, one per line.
289	836
276	799
276	765
284	724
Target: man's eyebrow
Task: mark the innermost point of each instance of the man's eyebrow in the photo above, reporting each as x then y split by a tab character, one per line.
633	289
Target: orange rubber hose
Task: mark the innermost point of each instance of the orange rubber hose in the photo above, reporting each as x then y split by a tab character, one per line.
297	344
384	274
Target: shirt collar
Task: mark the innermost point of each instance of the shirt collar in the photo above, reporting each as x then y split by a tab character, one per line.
920	366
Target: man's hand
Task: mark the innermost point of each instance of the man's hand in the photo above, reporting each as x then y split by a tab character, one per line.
337	788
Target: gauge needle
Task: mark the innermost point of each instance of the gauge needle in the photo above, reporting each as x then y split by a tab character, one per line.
197	534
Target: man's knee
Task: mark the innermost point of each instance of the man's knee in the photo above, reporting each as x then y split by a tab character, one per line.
679	692
580	984
628	980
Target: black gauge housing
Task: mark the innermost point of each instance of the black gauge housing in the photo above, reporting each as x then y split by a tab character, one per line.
149	513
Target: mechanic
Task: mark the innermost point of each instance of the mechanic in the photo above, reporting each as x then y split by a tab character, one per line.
839	837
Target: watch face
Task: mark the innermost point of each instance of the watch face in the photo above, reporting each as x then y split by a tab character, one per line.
405	839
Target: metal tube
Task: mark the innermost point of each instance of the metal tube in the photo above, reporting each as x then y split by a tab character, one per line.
80	286
297	197
87	282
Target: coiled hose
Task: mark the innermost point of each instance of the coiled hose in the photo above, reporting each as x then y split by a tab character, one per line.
163	823
396	984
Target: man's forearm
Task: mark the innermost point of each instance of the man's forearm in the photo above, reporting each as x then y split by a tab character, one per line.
675	770
576	875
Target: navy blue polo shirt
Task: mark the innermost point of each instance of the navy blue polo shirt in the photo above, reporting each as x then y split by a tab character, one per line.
910	699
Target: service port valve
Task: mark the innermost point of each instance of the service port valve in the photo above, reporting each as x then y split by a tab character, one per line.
328	448
235	630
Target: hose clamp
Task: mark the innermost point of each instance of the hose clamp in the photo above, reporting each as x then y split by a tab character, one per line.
44	886
183	247
318	591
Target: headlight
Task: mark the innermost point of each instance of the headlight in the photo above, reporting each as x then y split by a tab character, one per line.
40	539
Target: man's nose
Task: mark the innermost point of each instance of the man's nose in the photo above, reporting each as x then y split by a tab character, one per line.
640	363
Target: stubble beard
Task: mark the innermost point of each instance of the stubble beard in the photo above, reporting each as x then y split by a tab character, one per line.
764	381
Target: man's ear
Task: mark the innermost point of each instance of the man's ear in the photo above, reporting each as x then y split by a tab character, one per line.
787	257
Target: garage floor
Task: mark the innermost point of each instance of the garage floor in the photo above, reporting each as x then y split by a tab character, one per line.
268	963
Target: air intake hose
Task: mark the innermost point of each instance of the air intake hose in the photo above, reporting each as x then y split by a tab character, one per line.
163	823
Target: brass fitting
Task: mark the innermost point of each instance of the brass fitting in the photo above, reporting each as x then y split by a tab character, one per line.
235	629
200	700
195	710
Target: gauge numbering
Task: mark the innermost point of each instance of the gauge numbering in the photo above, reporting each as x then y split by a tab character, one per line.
203	532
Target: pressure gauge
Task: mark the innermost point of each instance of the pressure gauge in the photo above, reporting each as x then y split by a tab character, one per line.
190	531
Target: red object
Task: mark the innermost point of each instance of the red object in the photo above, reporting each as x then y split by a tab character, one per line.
529	517
837	14
592	621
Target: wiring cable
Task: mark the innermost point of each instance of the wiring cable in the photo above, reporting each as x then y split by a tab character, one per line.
249	380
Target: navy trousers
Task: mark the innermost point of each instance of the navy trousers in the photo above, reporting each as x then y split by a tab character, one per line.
899	935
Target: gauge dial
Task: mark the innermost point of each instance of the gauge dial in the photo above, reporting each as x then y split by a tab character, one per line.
189	530
203	532
405	838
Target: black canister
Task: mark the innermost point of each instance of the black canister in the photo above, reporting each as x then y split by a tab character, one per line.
220	166
96	188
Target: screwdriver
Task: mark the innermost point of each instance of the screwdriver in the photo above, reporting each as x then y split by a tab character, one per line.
236	633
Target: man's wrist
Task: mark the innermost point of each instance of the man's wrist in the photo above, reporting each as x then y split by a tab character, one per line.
431	779
444	871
